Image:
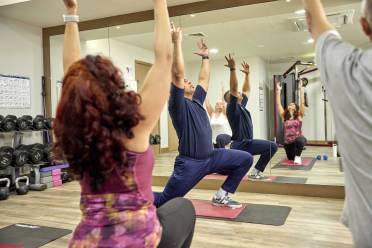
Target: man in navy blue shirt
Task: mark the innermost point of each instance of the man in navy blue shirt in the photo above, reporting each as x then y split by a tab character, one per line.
241	121
197	158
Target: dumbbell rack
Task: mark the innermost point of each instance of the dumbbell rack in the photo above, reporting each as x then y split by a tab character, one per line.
14	172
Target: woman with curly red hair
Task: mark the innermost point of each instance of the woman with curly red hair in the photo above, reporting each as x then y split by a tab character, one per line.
102	130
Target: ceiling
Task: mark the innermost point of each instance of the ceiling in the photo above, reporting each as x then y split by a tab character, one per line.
268	32
46	13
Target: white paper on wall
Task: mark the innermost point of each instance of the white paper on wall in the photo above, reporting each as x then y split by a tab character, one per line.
129	79
15	92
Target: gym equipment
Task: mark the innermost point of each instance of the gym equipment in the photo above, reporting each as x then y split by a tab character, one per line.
35	152
4	188
22	185
307	164
20	158
319	157
35	180
152	139
30	236
38	122
157	139
9	123
6	157
249	213
24	123
325	157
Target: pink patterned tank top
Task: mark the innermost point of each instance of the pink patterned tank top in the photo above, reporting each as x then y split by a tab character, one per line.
292	130
121	213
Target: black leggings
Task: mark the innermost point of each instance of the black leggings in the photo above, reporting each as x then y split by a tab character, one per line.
295	149
177	218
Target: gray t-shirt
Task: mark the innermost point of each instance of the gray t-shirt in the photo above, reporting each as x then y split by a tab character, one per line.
346	72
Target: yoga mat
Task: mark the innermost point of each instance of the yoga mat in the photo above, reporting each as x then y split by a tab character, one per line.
208	210
307	164
56	167
270	179
249	213
30	236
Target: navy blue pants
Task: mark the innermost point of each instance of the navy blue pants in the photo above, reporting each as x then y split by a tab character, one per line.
188	172
265	148
222	140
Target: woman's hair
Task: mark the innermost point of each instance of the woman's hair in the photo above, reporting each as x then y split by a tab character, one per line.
94	115
296	114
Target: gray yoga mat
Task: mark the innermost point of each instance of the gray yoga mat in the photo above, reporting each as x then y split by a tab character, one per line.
264	214
294	180
30	236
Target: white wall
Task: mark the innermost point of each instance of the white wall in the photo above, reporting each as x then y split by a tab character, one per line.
123	55
21	55
220	74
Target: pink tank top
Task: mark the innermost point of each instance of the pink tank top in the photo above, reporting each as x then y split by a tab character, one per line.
292	130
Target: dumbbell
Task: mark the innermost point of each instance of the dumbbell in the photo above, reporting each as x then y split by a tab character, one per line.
24	123
6	157
48	123
9	123
22	185
35	152
20	158
38	122
152	139
4	188
48	153
157	139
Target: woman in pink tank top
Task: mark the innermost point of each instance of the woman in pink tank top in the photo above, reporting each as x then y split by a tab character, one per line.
102	130
292	121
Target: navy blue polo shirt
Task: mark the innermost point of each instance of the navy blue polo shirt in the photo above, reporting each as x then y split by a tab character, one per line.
240	119
191	122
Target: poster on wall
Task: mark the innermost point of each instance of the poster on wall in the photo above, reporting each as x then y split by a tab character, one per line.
15	92
129	78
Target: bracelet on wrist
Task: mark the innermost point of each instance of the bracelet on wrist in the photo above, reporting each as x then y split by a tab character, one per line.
232	69
71	18
205	57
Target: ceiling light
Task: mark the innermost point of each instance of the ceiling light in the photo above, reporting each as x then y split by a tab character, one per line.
310	41
118	27
288	1
300	12
214	50
192	15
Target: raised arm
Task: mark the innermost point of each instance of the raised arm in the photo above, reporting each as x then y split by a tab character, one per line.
302	98
233	78
205	69
316	18
279	100
178	67
71	45
209	106
156	86
247	83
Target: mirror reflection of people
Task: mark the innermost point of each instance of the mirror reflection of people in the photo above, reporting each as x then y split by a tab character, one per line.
346	71
292	117
241	121
221	131
102	129
197	157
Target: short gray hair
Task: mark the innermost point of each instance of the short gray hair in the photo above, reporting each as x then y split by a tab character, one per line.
367	10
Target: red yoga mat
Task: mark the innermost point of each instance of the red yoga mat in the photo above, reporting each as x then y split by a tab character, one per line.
222	178
305	162
10	246
206	209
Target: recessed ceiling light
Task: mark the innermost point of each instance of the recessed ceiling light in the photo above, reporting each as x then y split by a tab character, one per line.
118	27
288	1
192	15
310	41
300	12
214	50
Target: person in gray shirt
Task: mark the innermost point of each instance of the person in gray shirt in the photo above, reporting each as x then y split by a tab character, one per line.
346	72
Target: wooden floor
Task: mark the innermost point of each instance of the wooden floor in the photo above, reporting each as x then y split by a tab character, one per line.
313	222
323	172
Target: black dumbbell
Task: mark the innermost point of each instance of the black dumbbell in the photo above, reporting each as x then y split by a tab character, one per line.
152	139
20	156
22	185
34	152
9	123
24	123
6	156
38	122
4	188
48	123
48	153
157	139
